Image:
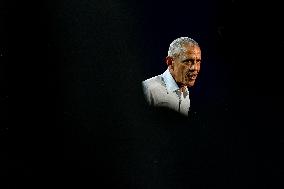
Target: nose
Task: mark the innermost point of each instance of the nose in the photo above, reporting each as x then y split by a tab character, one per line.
194	65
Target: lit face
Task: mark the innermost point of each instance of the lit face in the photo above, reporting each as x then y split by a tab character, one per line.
186	66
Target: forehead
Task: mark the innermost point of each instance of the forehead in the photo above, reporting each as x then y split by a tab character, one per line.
191	51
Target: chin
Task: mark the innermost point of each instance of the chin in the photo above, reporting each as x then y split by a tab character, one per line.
191	84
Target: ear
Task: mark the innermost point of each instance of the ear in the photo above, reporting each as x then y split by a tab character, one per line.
169	61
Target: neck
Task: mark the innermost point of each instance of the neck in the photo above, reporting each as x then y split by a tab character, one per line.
182	88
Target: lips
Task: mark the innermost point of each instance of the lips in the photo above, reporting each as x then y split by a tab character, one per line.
192	76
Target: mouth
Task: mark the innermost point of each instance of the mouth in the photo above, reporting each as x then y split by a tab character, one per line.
191	76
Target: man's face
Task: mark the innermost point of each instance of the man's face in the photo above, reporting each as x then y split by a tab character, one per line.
186	65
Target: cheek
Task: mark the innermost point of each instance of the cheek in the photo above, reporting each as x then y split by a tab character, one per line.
183	69
184	72
179	70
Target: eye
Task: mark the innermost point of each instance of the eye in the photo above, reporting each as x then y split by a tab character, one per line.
191	61
187	61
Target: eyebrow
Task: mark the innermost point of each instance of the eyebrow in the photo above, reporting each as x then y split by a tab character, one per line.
189	59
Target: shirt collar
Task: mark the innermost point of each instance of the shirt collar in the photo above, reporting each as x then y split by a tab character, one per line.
171	84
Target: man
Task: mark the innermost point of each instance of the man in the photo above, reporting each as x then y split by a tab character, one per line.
170	89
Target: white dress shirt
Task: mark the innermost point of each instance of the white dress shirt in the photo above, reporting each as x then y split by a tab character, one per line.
163	91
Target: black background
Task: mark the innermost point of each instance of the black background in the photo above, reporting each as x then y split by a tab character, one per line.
74	69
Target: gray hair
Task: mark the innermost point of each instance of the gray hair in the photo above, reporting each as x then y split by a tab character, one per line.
177	46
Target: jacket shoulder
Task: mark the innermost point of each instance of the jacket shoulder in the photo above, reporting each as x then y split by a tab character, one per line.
153	82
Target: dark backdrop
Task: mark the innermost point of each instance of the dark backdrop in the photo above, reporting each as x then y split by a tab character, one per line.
75	71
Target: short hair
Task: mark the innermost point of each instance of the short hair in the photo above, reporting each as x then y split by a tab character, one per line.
176	47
